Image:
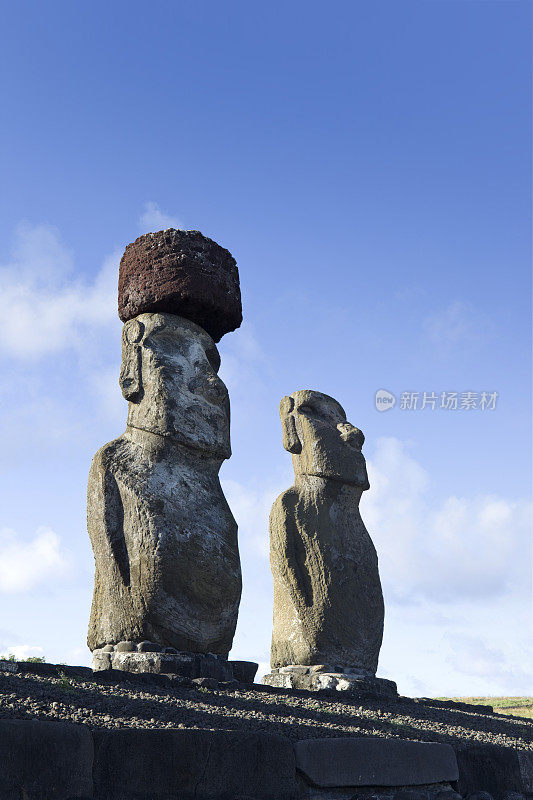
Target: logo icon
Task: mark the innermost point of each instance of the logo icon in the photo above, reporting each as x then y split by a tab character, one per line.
384	400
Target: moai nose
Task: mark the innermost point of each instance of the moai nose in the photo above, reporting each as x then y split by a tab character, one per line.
211	388
351	434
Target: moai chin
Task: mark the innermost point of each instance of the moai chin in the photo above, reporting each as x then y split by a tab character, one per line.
165	542
328	604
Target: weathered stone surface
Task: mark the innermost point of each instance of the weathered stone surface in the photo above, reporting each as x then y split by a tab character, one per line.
190	764
149	647
184	273
244	671
45	760
364	687
189	665
525	765
328	605
125	647
163	536
494	769
479	796
410	794
354	761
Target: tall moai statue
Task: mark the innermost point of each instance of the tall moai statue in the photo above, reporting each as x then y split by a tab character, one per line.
328	604
168	574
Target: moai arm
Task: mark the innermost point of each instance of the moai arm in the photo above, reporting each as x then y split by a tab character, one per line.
105	522
287	549
105	513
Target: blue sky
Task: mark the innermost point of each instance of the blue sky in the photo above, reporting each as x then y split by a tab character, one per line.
368	164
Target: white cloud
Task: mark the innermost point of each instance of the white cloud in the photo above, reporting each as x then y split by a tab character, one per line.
39	254
250	505
44	307
243	360
105	385
153	219
25	565
459	324
251	508
462	548
472	656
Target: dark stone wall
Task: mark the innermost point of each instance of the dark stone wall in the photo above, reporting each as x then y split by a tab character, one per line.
41	760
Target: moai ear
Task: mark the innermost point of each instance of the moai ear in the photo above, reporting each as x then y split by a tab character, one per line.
130	373
291	442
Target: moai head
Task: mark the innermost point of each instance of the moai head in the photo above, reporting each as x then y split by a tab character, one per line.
169	375
320	439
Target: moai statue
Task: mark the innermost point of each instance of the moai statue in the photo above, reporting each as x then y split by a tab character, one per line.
328	604
168	574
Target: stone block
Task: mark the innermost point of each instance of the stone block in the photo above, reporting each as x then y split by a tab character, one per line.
183	273
125	647
244	671
42	760
159	765
355	761
494	769
149	647
101	660
302	678
188	665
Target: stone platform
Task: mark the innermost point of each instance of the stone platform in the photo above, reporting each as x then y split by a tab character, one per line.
325	677
127	656
63	761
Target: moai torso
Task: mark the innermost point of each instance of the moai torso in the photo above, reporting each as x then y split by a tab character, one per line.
165	545
328	604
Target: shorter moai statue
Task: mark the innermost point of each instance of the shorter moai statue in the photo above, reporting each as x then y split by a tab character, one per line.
328	604
167	569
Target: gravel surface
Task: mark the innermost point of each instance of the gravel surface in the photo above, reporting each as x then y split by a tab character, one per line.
161	702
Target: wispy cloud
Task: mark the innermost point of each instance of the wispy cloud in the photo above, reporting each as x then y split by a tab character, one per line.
45	308
251	508
464	548
25	565
459	324
153	219
470	655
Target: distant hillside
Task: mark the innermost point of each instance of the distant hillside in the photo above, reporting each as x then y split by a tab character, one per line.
517	706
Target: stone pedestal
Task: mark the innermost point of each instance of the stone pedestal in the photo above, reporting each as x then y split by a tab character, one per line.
187	665
326	677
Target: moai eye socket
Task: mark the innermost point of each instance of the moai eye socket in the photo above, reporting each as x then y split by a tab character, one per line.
311	411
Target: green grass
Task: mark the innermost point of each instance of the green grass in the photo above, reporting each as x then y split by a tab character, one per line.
517	706
30	660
